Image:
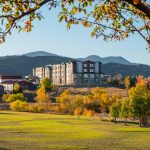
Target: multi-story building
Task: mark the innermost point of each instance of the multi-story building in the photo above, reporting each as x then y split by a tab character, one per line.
43	72
73	73
83	73
48	71
39	72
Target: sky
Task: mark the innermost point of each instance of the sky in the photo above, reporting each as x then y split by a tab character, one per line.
51	36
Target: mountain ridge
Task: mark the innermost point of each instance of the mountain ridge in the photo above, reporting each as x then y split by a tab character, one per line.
39	53
105	60
24	65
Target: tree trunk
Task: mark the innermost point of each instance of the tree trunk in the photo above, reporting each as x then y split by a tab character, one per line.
140	122
115	120
144	121
125	121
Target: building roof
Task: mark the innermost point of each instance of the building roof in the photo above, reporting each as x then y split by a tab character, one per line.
20	82
10	77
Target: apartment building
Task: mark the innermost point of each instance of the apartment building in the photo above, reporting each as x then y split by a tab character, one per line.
43	72
39	72
73	73
83	73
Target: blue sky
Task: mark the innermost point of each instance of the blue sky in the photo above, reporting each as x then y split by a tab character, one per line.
51	36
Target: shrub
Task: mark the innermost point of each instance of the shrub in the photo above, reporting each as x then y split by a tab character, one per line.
107	119
37	108
19	105
65	102
40	108
88	113
17	88
14	97
5	97
78	111
30	108
42	96
56	109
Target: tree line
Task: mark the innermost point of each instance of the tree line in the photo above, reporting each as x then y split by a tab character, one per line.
97	101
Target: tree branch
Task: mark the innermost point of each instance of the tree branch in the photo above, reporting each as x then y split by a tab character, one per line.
141	6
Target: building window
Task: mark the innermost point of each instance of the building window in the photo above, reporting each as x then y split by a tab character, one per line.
85	70
85	75
91	65
91	75
85	65
91	70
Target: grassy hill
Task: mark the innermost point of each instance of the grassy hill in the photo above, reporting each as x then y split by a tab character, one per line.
26	131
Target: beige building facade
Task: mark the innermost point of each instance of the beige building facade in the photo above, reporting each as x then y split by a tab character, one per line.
73	73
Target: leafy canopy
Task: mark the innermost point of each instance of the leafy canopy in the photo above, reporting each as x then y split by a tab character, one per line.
140	100
46	82
109	19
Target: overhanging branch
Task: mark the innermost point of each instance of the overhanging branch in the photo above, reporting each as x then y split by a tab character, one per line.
141	6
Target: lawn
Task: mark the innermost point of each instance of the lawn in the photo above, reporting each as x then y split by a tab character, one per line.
29	131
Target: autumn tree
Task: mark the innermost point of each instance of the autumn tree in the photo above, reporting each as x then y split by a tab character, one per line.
13	97
46	82
115	110
125	110
42	96
109	19
101	97
17	88
78	101
148	83
19	105
65	102
105	100
127	82
92	103
140	102
78	105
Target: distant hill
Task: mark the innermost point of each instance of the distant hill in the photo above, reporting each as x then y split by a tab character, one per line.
105	60
23	65
136	69
39	53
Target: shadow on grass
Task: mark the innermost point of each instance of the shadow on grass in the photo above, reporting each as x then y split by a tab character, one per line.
5	113
128	122
1	148
133	123
19	132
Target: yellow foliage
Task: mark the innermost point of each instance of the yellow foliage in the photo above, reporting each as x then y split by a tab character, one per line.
136	1
17	88
93	34
75	10
37	108
98	91
105	100
42	96
65	102
19	105
88	99
88	113
78	111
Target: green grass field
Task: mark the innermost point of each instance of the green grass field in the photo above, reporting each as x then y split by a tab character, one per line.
20	131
